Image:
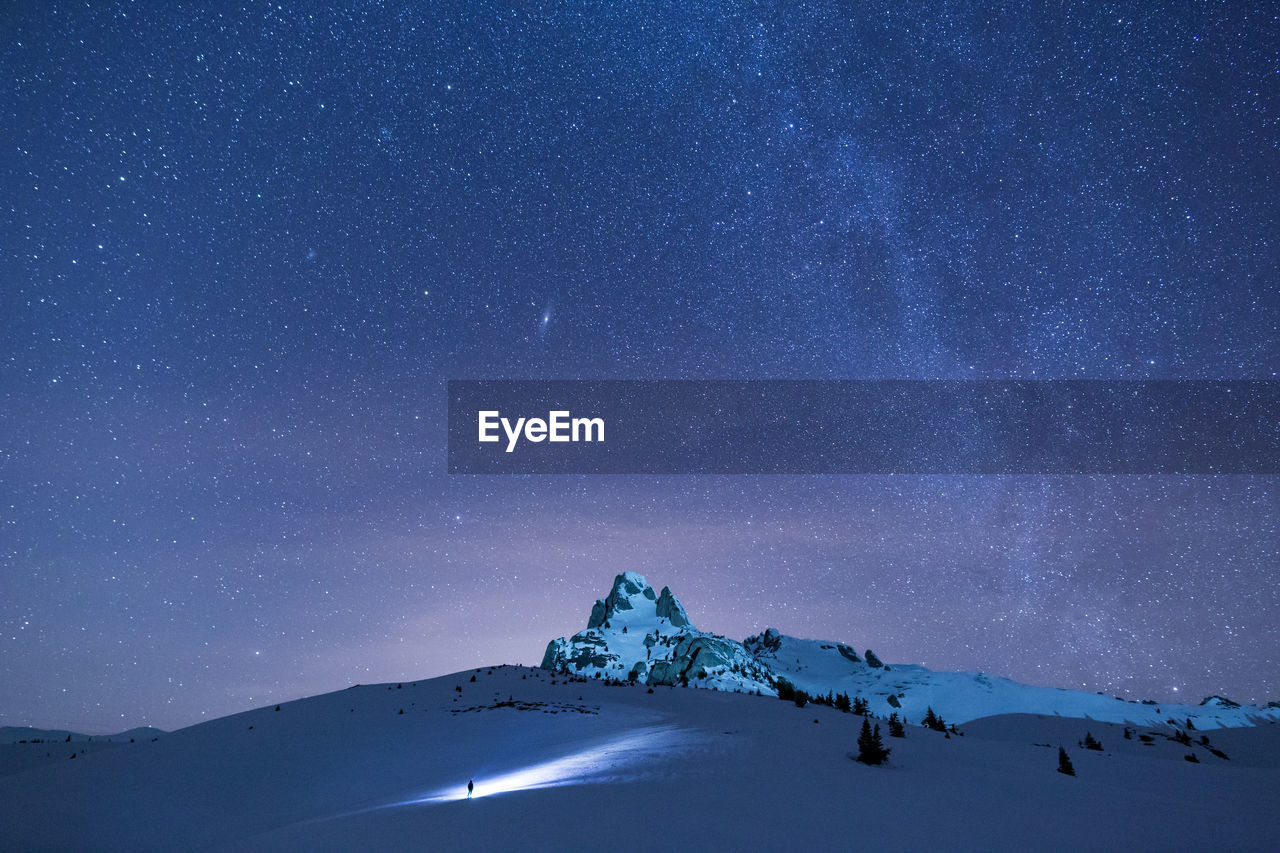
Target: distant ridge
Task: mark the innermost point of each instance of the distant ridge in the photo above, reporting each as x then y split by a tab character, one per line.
635	634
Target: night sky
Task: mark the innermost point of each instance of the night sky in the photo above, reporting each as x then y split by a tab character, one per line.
241	251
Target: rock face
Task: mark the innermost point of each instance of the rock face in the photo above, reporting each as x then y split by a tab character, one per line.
670	608
587	651
702	657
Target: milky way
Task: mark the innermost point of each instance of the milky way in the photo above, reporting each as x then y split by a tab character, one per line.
242	250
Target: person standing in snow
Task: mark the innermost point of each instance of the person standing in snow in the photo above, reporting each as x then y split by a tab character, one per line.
471	786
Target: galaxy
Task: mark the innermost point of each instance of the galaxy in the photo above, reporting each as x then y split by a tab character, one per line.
244	247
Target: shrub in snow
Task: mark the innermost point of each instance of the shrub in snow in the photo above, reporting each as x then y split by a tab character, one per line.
933	721
870	747
1064	763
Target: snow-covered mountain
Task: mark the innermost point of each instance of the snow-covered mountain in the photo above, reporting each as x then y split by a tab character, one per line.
635	634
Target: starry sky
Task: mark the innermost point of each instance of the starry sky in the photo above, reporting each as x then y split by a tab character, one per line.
243	247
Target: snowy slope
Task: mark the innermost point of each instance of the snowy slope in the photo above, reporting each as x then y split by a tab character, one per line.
562	764
631	635
821	668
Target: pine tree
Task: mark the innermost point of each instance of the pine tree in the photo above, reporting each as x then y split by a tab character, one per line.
843	704
870	747
1090	742
1064	763
895	726
860	706
933	721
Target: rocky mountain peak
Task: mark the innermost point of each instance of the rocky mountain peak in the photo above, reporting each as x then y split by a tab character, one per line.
630	593
632	599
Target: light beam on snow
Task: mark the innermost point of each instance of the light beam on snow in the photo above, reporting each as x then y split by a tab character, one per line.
602	762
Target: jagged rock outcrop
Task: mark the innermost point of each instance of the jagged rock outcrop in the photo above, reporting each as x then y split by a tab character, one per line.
848	653
769	641
699	657
670	608
636	634
582	651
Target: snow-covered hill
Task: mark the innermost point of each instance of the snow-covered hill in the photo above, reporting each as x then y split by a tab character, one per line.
639	635
565	764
